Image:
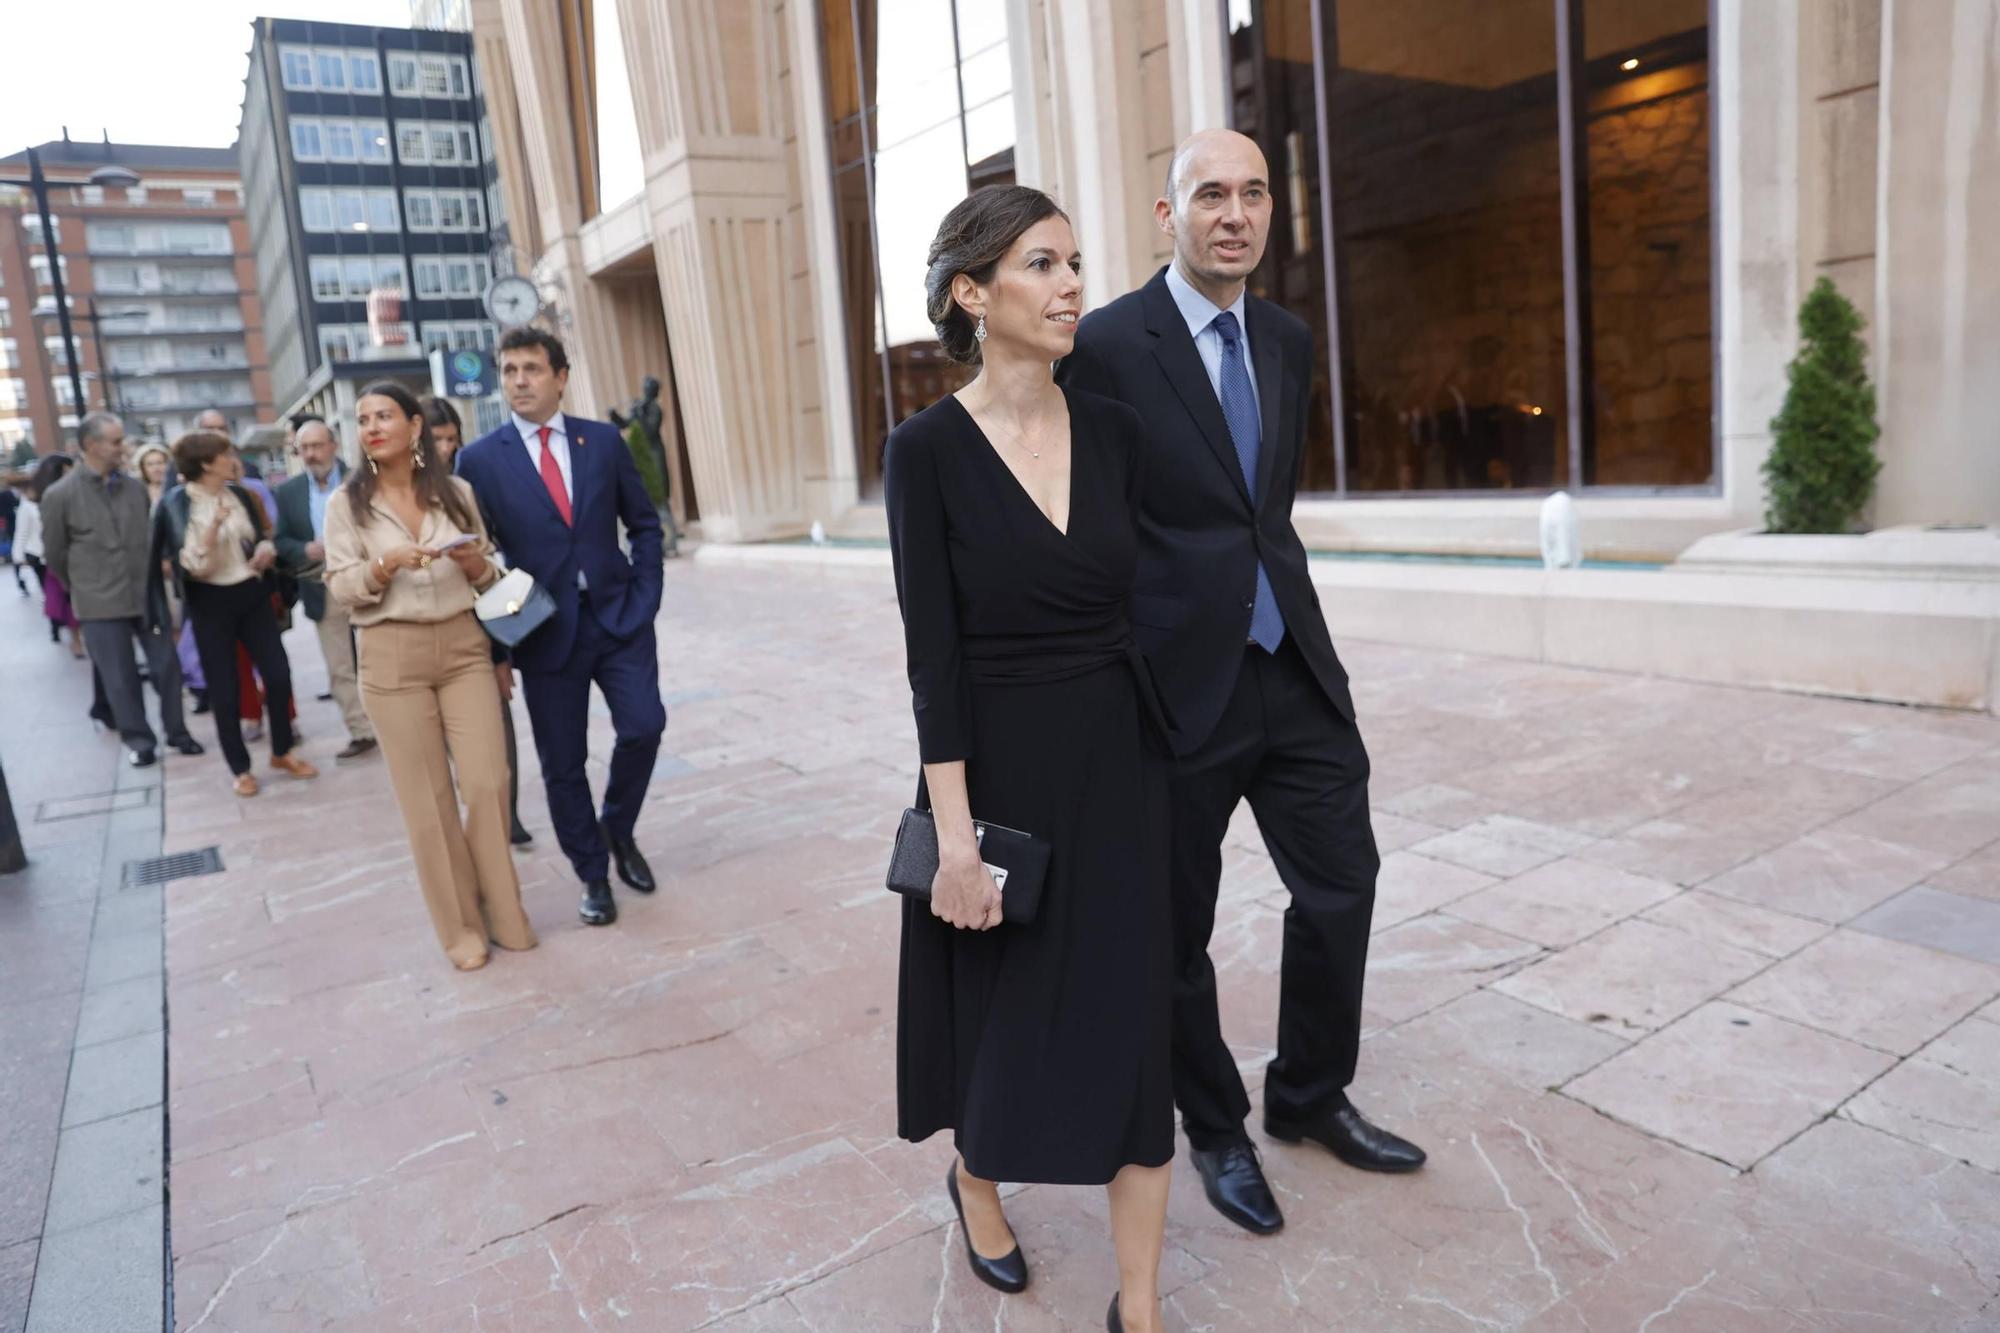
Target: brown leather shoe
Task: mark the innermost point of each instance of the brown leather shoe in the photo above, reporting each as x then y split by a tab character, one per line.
291	763
246	784
355	749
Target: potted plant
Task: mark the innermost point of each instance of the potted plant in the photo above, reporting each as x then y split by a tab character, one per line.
1822	465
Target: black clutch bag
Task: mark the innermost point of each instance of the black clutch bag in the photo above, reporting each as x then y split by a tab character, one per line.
1018	862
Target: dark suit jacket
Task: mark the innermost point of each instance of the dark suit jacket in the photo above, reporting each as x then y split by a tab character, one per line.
525	524
295	529
1200	537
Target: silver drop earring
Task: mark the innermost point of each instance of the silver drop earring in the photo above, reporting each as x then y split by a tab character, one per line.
979	330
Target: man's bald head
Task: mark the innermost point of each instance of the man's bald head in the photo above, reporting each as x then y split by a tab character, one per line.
211	418
1195	151
1218	210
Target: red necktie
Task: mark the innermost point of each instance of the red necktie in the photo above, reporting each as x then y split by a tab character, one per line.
552	477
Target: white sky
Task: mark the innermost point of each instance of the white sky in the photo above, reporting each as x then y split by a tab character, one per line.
149	71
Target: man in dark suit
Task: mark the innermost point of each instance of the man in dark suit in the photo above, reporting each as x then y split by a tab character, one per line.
300	535
1225	609
554	489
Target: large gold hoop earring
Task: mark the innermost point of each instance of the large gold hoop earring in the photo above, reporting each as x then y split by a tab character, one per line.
419	452
372	469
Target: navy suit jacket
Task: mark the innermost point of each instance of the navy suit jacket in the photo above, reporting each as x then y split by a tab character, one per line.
524	523
1201	535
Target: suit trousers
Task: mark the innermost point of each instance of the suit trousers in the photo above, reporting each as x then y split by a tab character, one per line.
1282	745
429	691
336	645
110	645
627	671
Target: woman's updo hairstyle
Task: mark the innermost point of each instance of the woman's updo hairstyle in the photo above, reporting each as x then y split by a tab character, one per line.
973	238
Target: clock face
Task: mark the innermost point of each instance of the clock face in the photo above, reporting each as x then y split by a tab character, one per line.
512	301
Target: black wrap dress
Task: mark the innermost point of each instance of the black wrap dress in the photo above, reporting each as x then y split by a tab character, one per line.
1044	1045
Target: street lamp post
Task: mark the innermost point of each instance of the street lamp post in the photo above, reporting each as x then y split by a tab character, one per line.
38	185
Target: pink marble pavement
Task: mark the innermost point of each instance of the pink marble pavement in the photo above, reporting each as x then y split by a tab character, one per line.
1621	987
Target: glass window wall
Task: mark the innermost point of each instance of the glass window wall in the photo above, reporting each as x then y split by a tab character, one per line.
1453	320
920	111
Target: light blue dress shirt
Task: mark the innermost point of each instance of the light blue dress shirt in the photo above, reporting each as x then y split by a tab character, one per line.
317	496
1200	312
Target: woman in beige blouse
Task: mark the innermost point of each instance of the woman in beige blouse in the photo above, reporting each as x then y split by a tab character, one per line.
407	554
214	534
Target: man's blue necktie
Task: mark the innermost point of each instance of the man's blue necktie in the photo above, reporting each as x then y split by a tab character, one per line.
1239	409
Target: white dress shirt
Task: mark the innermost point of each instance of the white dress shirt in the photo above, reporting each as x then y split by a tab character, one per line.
1200	313
531	435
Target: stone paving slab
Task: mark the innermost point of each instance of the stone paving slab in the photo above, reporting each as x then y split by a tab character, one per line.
1952	922
687	1121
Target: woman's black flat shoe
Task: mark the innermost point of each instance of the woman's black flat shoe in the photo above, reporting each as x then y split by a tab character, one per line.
1008	1273
1112	1323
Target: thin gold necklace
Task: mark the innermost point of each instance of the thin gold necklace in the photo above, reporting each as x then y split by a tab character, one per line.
1020	440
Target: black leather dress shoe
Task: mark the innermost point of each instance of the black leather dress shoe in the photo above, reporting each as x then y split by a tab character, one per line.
186	745
520	834
142	758
1009	1273
632	867
597	909
1235	1184
1112	1323
1346	1133
200	701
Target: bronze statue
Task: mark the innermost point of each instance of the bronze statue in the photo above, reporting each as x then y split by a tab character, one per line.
640	425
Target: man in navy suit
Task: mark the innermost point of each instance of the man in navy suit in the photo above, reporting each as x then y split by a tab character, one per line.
554	489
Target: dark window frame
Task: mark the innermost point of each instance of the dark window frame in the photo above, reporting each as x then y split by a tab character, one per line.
1573	128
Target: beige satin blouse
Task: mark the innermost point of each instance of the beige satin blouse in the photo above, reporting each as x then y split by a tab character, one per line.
220	562
435	593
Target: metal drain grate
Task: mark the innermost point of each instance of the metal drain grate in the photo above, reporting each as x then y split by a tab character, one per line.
181	865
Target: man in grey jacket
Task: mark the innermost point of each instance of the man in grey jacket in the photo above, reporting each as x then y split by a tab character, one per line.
97	537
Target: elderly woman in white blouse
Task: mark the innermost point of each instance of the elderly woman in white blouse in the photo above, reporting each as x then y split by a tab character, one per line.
218	540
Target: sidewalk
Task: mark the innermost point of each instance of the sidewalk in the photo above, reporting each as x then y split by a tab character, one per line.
82	1198
1692	993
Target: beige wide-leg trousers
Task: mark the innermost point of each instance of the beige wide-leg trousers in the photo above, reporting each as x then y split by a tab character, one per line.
429	688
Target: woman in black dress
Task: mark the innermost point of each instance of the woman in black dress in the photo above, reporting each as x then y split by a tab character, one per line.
1011	506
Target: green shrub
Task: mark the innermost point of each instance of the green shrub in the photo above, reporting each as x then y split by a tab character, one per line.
648	460
1822	465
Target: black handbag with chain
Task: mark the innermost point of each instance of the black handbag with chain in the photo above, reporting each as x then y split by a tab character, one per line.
1018	862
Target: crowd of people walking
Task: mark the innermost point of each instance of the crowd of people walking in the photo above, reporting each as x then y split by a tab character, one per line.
1112	641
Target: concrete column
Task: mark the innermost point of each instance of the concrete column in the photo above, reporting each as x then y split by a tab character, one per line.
503	117
549	152
1756	100
1200	66
712	122
832	481
1093	158
1937	309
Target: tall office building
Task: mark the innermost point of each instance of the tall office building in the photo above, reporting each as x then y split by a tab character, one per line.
369	183
155	262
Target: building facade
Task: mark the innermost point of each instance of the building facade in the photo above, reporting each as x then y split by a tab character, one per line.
155	262
1542	244
369	180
